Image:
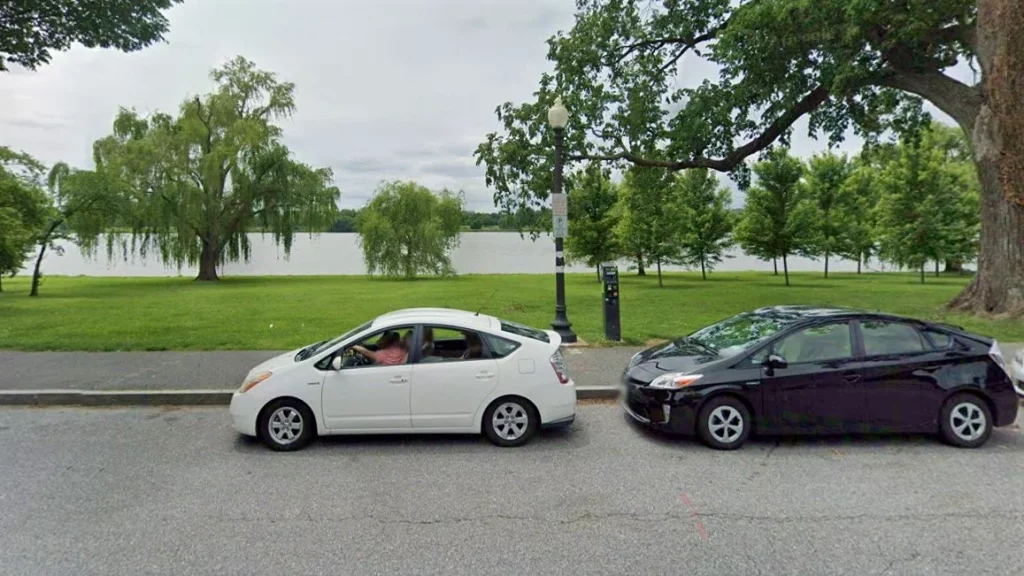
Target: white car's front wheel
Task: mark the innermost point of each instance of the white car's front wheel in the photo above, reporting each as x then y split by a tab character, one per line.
510	421
286	424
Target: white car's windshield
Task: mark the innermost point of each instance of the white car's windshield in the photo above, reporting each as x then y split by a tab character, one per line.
314	348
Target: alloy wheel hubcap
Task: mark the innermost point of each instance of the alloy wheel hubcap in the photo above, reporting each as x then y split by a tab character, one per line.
510	421
967	421
285	425
725	424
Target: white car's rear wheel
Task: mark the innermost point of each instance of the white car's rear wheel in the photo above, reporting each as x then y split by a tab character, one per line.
510	421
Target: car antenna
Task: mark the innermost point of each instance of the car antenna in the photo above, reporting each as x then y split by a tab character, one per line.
486	302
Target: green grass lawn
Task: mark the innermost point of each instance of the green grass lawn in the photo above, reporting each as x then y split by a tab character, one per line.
287	312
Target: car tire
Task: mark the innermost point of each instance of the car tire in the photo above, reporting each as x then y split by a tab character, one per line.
965	421
285	425
510	422
724	423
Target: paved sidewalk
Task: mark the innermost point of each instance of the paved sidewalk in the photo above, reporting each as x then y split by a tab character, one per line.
185	371
133	378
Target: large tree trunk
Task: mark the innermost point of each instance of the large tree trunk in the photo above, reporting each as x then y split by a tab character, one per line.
997	141
640	265
208	260
37	271
775	264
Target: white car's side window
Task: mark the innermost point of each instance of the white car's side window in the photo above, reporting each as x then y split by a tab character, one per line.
446	344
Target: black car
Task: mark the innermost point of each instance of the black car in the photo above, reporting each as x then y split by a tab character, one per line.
807	370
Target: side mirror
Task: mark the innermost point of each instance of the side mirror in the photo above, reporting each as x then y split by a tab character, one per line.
776	361
336	363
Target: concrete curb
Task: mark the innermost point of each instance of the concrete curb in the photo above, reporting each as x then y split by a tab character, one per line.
98	398
116	397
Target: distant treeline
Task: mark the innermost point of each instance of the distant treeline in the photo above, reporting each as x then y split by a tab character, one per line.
476	221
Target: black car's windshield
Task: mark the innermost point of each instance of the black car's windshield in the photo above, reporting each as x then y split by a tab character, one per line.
314	348
734	335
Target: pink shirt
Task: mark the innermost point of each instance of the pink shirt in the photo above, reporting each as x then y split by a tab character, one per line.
391	356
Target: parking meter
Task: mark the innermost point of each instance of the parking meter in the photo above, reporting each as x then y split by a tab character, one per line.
610	277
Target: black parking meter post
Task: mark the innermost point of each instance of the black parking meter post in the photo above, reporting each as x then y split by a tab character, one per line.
610	278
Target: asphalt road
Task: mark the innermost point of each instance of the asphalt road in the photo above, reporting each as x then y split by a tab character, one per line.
150	491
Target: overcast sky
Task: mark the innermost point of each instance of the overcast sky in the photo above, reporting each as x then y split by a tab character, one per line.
385	88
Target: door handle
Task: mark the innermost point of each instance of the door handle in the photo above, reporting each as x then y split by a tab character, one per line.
398	380
484	375
851	377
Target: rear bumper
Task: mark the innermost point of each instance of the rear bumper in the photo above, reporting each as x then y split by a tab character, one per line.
559	423
556	404
668	411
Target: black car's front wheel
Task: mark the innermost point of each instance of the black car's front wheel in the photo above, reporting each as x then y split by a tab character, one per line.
965	421
724	423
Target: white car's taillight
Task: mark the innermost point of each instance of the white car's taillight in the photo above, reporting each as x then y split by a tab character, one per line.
558	363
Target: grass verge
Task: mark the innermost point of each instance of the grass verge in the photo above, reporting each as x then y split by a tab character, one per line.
267	313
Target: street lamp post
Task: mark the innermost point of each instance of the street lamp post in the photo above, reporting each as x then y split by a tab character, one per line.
558	117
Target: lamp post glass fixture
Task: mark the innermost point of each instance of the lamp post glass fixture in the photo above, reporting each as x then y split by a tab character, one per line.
558	117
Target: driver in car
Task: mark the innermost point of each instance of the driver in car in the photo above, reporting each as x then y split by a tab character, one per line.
390	351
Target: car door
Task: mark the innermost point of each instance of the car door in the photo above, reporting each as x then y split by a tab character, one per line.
816	390
901	371
367	398
453	376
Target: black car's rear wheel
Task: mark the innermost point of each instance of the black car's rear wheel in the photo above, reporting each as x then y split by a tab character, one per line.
965	421
724	423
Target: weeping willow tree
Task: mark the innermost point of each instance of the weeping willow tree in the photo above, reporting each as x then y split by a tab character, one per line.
194	184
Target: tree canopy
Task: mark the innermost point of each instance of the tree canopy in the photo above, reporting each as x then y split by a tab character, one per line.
622	71
826	182
406	230
23	208
707	233
592	197
30	30
650	223
196	183
779	218
928	203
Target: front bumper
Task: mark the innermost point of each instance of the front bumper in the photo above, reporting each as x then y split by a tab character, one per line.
665	410
243	410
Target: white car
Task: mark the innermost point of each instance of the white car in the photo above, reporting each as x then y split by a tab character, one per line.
1017	371
461	373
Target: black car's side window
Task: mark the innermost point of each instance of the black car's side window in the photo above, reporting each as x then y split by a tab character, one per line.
816	344
941	340
887	338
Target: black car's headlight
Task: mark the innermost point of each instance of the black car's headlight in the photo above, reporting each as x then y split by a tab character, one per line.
674	381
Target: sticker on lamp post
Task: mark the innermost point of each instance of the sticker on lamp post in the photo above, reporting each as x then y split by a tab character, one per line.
559	215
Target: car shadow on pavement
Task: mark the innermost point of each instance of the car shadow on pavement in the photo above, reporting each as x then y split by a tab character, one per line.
545	439
1006	438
